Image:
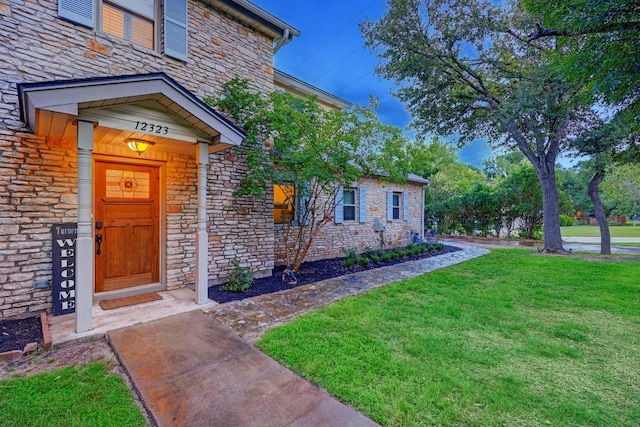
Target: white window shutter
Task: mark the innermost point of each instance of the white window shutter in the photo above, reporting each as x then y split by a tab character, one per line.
389	205
176	32
405	206
81	12
362	202
338	215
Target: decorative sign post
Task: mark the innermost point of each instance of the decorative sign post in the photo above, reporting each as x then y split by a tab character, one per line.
63	283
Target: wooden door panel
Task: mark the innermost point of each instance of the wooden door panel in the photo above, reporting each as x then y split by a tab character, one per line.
113	251
127	205
139	257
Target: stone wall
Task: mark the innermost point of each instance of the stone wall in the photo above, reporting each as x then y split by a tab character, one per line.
38	175
334	239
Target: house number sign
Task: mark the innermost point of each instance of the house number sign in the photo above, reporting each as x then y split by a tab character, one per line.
152	127
63	282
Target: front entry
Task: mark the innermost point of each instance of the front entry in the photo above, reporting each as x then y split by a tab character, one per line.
126	225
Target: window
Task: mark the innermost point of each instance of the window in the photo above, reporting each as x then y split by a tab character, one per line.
349	205
283	199
132	20
396	205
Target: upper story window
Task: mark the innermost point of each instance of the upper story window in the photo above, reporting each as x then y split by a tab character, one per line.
132	20
135	20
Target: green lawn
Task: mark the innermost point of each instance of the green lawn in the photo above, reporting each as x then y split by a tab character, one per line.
594	231
509	339
73	396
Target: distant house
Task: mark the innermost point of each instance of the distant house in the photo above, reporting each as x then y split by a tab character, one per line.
103	131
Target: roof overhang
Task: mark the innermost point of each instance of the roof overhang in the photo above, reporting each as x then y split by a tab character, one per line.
303	89
257	18
71	97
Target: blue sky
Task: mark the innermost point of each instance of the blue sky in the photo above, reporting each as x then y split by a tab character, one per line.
331	55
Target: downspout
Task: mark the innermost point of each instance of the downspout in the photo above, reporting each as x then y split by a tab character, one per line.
282	40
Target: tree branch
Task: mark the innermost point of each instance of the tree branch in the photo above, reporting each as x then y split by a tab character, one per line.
600	29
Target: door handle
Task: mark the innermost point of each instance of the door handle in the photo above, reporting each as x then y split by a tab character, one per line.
99	242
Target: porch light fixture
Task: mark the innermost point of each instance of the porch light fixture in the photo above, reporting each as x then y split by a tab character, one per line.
138	145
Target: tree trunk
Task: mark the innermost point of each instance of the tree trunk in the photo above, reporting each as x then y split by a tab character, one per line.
605	236
550	208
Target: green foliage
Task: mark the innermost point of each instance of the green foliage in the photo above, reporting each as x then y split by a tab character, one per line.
239	280
468	69
598	46
375	258
71	396
315	149
566	221
363	261
524	200
511	338
349	262
386	256
620	190
350	253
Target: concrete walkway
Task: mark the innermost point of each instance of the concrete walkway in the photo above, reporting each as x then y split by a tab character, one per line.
193	370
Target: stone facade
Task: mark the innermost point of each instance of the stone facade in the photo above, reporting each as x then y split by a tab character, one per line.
38	175
335	239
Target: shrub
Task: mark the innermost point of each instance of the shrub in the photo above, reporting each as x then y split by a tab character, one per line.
363	261
394	254
385	257
375	258
439	246
348	262
566	221
350	253
240	279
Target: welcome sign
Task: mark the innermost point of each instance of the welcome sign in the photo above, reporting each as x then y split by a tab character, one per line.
63	283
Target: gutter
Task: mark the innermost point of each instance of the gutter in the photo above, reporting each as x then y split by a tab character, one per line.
286	38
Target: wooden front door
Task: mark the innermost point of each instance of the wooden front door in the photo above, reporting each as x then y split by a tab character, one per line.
126	225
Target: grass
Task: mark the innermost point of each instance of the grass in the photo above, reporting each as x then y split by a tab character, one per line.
594	231
72	396
511	338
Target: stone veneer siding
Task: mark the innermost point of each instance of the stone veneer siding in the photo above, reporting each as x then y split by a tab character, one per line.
38	175
335	238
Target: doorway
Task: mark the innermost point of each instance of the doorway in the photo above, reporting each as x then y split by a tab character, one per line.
126	223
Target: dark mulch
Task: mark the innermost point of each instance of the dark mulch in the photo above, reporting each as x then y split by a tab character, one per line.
15	334
309	272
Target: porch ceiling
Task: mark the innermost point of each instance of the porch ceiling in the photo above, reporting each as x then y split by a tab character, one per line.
51	108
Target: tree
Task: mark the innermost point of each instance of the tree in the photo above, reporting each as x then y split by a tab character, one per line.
621	189
443	199
524	199
598	46
428	158
312	150
468	69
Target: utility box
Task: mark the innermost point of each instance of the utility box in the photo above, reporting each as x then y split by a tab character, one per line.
379	225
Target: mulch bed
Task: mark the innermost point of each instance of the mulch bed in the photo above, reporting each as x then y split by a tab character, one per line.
310	272
15	334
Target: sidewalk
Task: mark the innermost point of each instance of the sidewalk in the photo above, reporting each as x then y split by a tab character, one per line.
192	370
